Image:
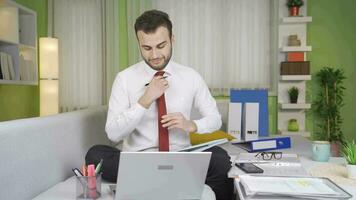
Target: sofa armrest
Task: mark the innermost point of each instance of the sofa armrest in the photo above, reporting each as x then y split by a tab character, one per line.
37	153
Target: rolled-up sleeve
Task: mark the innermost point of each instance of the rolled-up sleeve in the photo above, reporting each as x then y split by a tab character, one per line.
206	105
122	117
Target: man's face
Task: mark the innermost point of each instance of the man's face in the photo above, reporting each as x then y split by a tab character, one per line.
156	48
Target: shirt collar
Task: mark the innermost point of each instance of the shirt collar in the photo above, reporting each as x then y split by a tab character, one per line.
151	72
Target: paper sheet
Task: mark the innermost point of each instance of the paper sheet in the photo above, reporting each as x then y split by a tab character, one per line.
286	185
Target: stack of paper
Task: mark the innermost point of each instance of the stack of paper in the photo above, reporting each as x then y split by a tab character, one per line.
204	146
291	187
6	66
292	159
288	165
27	69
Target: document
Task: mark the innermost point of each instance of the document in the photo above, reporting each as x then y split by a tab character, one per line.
292	186
204	146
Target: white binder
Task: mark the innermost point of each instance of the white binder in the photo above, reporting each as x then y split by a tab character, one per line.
234	120
250	121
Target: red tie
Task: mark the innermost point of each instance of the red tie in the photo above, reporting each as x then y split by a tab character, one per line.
163	136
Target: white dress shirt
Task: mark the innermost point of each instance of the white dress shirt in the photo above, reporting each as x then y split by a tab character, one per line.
129	121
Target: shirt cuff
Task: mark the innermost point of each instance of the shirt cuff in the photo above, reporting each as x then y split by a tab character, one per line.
200	126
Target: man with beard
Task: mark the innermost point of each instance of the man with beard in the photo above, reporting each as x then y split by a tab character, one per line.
136	99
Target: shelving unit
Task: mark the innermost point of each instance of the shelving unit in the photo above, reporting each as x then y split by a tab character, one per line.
291	26
295	20
296	49
18	38
295	77
294	106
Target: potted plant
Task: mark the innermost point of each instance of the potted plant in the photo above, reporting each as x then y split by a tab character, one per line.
294	6
293	94
327	106
293	125
349	152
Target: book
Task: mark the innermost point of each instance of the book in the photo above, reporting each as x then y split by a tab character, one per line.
1	76
264	144
11	67
4	66
204	146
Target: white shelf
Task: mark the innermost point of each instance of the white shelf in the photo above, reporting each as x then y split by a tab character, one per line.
17	82
296	48
24	46
302	133
295	106
296	20
19	41
5	42
295	77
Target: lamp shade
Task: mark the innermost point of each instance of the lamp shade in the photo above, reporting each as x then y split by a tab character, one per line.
48	58
48	76
48	97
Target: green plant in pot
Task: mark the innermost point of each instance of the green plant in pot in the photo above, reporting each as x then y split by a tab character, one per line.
327	106
294	6
293	125
349	152
293	94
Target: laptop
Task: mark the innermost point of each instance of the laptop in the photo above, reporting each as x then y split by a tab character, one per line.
161	175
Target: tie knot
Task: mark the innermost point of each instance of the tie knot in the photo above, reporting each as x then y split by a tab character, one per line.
159	73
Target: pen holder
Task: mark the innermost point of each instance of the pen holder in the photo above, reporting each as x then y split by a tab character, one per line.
88	187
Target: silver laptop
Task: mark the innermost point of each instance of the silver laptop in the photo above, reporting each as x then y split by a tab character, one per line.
161	175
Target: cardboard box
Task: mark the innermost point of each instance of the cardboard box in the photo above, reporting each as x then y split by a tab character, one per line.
295	68
295	56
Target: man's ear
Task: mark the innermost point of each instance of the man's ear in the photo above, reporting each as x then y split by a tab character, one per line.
173	39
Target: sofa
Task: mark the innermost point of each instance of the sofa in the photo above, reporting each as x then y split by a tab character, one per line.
37	154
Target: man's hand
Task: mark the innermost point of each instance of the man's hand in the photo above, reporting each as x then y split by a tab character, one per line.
177	120
154	90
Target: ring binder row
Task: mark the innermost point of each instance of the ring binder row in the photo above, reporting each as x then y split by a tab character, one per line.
264	144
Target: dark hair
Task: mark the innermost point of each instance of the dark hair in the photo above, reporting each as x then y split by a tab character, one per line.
150	20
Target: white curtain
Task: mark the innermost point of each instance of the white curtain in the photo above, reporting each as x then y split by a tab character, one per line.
111	45
88	51
226	41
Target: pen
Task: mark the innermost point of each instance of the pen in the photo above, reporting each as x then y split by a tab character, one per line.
77	172
98	167
149	83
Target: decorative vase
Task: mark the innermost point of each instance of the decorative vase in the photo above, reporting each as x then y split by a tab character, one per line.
351	171
294	11
293	99
293	125
321	151
335	149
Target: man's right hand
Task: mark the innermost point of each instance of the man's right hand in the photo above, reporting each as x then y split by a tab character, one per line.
154	90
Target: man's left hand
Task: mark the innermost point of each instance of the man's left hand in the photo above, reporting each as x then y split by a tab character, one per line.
177	120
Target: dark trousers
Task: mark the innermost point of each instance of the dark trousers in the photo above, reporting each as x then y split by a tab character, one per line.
216	178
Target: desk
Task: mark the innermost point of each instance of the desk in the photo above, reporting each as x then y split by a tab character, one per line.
302	147
66	191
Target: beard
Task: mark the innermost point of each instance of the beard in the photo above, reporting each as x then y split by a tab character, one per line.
165	62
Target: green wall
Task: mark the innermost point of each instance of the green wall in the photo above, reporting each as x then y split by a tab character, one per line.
21	101
332	36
